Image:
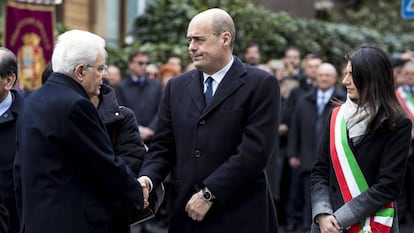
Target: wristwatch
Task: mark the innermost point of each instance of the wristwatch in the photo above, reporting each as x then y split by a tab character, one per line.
207	195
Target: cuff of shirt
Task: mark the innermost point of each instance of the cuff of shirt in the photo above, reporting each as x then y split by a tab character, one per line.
149	181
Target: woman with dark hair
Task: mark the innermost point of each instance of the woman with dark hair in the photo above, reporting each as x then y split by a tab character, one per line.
363	154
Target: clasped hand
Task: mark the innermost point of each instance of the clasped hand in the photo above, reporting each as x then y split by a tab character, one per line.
197	207
328	224
145	190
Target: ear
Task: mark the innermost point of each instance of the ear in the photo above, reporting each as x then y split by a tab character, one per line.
10	81
226	38
78	73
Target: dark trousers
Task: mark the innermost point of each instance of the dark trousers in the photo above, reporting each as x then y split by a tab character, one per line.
294	208
307	210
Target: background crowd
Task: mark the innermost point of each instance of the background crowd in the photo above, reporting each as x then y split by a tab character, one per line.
309	86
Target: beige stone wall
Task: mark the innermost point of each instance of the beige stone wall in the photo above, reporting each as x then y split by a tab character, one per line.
89	15
78	14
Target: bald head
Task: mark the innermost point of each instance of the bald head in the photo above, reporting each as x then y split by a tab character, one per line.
328	68
219	20
326	77
210	37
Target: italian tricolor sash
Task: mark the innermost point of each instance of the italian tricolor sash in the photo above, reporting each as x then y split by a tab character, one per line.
350	178
407	102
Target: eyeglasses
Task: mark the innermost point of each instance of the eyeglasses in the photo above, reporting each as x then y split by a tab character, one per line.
100	68
141	63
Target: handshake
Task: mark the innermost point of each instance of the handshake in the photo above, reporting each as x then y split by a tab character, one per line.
146	186
151	203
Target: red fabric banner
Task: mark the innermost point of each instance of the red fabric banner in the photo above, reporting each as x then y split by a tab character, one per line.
29	33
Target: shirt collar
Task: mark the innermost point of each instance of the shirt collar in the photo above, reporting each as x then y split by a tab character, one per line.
219	75
135	79
6	103
326	94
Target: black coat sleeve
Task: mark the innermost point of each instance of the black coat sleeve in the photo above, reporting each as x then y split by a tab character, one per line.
128	143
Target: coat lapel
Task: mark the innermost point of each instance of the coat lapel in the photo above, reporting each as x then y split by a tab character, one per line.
230	83
195	90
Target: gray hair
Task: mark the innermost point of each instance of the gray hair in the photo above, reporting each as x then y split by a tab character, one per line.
74	48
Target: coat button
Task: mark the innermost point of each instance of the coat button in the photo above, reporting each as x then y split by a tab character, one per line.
5	115
202	122
197	153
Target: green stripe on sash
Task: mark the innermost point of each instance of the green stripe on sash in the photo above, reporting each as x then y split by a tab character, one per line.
356	171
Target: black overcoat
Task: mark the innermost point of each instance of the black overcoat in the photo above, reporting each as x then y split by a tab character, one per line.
70	176
382	156
224	146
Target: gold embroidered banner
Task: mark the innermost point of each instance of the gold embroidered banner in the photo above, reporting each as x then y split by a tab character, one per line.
29	33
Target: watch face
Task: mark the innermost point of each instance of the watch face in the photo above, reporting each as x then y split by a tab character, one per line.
207	195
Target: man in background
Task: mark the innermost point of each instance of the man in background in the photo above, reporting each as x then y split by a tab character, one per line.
252	54
11	106
141	94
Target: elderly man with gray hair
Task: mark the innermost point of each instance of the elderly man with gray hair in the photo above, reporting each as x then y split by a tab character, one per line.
70	177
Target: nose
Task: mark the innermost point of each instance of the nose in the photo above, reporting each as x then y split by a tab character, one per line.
345	81
191	46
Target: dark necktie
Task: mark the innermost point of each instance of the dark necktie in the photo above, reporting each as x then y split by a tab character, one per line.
208	95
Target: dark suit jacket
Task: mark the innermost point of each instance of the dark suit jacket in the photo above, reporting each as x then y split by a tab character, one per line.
382	156
224	146
69	174
7	154
142	98
307	127
290	105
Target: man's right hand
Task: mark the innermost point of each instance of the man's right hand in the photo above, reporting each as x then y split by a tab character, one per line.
145	133
145	190
294	162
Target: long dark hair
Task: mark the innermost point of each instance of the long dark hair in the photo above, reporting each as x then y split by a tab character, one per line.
373	77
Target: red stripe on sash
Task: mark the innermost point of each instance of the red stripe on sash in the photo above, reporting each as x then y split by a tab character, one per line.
346	194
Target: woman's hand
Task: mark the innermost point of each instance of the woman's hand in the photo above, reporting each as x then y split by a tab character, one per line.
328	224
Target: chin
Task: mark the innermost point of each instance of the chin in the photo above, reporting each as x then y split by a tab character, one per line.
197	65
354	99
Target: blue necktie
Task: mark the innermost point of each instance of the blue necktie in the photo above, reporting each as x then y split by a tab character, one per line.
208	95
321	105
